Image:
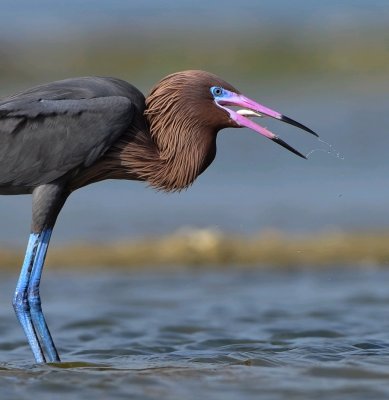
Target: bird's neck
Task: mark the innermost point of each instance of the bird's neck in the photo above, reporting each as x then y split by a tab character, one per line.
171	166
138	155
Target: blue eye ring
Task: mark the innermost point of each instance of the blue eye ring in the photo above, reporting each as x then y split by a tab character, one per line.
217	91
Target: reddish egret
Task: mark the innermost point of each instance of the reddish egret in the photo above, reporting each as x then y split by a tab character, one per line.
58	137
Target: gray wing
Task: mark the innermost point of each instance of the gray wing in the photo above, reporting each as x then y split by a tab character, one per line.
42	137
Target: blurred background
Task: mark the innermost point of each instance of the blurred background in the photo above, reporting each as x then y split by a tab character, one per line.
322	63
325	64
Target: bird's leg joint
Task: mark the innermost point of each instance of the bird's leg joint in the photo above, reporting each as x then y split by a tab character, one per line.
33	296
20	301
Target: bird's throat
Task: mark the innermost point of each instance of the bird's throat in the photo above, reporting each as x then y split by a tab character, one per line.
176	167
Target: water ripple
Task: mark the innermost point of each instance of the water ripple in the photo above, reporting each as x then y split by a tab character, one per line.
216	335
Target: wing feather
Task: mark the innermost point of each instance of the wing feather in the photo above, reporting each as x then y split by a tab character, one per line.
48	132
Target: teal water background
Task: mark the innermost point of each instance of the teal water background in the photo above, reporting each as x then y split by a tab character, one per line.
247	334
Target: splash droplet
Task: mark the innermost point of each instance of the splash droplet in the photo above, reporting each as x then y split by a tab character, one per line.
330	150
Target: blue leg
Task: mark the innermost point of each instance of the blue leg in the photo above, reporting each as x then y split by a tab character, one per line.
27	303
34	299
20	300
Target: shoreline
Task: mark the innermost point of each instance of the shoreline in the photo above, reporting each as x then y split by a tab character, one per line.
209	247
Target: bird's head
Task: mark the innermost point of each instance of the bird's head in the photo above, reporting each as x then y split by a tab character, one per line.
198	101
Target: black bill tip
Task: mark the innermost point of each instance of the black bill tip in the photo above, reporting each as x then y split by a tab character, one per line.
286	146
295	123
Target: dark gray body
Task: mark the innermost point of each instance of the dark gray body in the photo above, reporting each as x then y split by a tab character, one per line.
50	131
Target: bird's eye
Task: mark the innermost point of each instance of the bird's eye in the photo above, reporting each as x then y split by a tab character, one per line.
216	91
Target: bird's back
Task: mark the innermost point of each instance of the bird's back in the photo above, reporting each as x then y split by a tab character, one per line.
49	130
87	87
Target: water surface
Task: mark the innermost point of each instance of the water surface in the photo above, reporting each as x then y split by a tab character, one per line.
229	334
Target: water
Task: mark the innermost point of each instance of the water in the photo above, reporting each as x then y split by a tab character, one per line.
328	148
45	17
193	334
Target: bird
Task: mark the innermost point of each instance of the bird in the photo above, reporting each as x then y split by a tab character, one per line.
58	137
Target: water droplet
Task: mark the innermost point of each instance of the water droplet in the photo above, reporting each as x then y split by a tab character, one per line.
330	150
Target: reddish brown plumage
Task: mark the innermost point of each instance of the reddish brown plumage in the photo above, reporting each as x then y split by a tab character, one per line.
173	141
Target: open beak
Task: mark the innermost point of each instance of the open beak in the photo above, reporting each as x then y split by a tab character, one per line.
250	108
